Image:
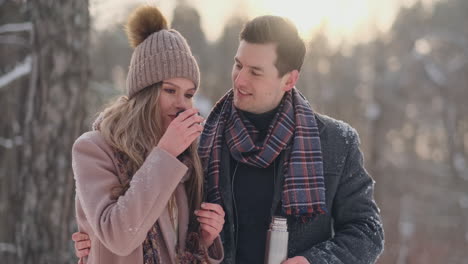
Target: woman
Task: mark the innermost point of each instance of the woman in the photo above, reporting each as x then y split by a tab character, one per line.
138	175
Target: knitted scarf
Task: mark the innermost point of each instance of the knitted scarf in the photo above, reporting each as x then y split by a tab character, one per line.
193	254
293	128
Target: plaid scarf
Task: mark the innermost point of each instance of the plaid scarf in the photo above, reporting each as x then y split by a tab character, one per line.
294	128
193	254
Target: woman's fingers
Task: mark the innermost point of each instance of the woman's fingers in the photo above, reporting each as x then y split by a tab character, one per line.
209	214
82	253
195	129
211	230
211	218
187	113
78	236
213	207
214	224
194	134
181	132
191	121
80	245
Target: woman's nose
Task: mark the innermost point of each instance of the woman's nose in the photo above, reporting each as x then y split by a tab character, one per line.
181	103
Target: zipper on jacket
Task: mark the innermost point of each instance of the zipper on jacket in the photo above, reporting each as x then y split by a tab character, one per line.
236	226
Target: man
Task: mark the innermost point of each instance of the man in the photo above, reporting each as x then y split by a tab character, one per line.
266	153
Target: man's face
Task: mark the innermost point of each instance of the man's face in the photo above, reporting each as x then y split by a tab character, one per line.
257	86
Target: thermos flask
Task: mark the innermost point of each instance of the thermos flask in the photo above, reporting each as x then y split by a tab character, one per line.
276	250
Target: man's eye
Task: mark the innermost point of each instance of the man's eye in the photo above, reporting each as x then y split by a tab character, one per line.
238	66
254	73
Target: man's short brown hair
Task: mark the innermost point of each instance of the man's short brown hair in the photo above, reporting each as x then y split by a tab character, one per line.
290	48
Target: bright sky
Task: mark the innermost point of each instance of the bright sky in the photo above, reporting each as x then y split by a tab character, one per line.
352	20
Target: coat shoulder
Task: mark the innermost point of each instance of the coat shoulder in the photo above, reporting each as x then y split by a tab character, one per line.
92	142
335	129
93	137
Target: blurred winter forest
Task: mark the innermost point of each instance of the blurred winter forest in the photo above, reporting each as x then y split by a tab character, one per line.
405	92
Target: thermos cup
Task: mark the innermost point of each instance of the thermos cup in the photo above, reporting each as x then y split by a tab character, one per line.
276	250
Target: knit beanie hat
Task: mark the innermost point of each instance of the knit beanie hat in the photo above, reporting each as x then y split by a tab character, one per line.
159	53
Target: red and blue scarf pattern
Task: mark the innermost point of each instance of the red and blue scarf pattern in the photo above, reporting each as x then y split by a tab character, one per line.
294	127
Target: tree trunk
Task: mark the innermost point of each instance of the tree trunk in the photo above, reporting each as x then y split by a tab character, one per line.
43	82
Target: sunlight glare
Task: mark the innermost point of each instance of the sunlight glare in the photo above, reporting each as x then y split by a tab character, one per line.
340	17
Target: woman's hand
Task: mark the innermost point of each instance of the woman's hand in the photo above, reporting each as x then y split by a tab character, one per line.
211	218
181	132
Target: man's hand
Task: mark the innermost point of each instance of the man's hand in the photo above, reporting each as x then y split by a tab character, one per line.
82	245
296	260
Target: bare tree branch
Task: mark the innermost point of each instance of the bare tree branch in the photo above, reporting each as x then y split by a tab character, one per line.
7	28
19	71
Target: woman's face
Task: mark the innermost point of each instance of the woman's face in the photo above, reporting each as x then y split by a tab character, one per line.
176	95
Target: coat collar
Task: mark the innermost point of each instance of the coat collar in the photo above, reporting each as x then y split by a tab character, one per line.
320	123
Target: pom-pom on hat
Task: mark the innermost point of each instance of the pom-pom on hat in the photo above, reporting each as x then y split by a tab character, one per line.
159	53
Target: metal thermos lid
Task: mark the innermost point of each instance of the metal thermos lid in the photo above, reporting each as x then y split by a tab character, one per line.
279	224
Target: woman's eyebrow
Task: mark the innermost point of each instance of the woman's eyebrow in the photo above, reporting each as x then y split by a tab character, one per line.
175	85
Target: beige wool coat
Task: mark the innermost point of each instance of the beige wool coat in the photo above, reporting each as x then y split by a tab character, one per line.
117	228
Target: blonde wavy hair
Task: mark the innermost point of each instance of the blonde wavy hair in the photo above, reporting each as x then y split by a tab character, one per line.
133	126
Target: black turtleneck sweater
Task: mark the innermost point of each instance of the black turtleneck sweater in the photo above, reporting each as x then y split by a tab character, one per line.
253	196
